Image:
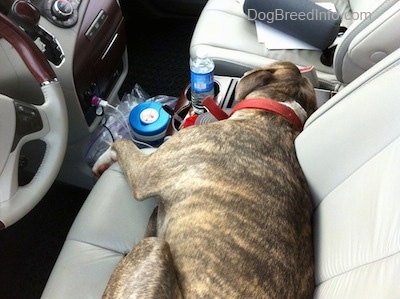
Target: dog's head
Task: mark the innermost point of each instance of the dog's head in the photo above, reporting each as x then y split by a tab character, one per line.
280	81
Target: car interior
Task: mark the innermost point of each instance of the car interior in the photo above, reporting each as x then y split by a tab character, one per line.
63	231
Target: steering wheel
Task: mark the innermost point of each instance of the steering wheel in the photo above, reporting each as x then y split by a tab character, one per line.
21	122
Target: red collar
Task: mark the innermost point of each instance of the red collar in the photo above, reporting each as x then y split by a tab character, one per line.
255	103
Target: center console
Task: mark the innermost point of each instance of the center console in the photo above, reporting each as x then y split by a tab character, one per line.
224	89
98	64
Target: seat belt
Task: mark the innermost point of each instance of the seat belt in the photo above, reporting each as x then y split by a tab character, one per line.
327	54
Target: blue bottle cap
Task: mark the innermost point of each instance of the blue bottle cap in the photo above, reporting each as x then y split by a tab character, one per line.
149	119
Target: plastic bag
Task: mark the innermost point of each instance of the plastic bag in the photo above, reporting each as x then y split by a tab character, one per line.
115	124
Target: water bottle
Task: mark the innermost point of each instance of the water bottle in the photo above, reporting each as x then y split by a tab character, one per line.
149	122
202	80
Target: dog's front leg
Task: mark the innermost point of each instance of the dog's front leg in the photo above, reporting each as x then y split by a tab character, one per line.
146	272
104	162
137	168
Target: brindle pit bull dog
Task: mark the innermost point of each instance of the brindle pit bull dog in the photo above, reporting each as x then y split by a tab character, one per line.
234	217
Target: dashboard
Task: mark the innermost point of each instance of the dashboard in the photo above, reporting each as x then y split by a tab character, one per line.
99	44
63	13
85	43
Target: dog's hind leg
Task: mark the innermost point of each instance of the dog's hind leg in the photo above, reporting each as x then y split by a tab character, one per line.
151	230
146	272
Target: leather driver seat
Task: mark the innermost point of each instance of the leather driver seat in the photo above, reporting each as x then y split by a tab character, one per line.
350	154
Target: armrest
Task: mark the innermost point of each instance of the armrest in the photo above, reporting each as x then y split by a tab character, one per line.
368	41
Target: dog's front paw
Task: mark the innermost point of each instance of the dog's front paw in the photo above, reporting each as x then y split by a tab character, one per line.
104	162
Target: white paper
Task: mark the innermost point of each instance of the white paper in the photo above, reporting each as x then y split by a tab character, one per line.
275	39
327	5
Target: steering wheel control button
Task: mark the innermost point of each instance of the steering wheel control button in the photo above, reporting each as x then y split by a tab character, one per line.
28	121
149	122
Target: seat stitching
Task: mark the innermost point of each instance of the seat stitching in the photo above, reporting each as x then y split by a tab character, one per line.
361	266
96	245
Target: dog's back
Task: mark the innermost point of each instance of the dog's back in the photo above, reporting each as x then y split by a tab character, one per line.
234	207
241	227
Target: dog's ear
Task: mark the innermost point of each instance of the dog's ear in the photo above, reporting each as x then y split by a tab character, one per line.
306	96
281	81
252	81
258	78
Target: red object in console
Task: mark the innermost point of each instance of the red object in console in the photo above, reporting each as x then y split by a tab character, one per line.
190	121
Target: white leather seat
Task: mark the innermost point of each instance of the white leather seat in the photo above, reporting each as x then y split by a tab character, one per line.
350	154
228	36
108	225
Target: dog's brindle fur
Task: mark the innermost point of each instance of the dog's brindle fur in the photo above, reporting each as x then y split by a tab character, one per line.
234	217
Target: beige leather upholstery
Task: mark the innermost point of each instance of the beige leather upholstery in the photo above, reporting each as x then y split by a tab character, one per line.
109	224
368	42
350	154
226	34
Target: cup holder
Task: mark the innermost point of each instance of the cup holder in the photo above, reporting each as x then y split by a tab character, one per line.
183	111
183	108
188	93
